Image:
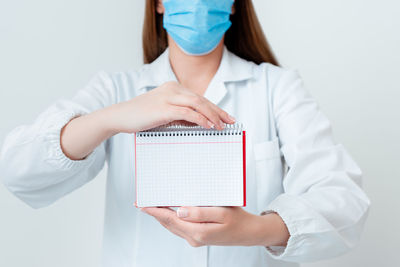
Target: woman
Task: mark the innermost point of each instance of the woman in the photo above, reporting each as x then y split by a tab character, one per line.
209	64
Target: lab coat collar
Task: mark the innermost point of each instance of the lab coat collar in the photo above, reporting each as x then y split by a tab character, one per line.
231	69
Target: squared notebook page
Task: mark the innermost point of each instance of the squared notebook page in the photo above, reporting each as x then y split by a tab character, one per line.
191	170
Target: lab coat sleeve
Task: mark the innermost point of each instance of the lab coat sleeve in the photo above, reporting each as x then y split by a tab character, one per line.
32	165
322	205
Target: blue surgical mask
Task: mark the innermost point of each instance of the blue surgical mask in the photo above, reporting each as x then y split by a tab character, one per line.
197	26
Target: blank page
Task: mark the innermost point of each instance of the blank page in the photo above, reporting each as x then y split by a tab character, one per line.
190	166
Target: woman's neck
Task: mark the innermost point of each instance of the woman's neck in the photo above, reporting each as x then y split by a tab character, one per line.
194	72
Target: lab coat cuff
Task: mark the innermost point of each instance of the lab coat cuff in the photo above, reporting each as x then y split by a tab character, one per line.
283	205
55	155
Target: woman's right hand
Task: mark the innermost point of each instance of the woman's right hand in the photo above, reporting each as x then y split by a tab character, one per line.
167	103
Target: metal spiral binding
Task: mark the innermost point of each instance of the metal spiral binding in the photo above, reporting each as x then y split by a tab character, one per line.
185	130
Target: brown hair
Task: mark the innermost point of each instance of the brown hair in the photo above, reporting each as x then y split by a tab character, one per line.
245	38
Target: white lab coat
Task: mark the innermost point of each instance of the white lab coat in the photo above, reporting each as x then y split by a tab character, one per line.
318	195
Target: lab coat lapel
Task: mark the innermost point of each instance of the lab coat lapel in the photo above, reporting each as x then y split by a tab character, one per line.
156	73
216	91
232	69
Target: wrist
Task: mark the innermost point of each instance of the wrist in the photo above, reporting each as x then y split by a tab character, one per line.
272	230
106	121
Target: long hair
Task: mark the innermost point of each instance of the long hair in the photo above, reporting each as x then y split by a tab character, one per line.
245	38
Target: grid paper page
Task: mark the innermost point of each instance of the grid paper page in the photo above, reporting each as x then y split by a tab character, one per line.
189	170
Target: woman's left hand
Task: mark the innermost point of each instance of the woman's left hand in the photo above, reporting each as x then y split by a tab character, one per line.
224	226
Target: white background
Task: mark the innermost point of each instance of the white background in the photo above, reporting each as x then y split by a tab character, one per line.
346	51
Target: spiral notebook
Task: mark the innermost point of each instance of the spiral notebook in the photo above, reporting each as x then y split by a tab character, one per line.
178	165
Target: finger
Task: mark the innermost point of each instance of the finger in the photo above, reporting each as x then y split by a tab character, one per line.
203	214
188	114
167	218
225	117
180	233
159	212
201	105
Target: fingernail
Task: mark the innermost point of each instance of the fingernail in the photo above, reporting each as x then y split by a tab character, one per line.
232	118
222	124
210	124
182	212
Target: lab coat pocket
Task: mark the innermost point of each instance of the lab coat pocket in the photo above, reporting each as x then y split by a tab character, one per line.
269	171
266	149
